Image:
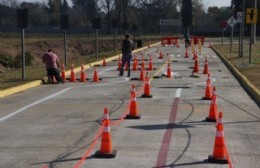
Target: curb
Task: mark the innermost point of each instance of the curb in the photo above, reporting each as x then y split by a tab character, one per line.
253	92
13	90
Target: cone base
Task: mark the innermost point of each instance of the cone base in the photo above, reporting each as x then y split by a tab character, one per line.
134	79
157	77
210	119
211	159
146	96
132	117
98	154
206	98
194	76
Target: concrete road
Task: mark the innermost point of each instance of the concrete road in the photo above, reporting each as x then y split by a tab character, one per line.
54	126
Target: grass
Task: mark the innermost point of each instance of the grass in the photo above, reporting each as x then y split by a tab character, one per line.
250	70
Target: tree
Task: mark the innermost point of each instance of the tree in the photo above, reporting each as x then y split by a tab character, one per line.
186	15
108	6
87	7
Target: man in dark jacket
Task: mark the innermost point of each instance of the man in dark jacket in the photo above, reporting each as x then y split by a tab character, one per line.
127	48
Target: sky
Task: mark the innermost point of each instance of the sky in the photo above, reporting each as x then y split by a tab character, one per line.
207	3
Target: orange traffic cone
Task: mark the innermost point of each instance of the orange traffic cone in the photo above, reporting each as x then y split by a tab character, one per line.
210	46
169	71
63	75
220	120
186	54
141	78
196	66
208	93
161	55
104	62
134	65
213	111
119	65
72	74
206	69
82	74
126	66
95	76
142	64
132	92
150	66
106	143
133	112
219	151
195	56
106	115
147	90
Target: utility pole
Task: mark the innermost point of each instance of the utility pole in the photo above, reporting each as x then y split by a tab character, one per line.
254	28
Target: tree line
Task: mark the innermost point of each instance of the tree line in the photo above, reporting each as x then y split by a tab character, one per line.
128	15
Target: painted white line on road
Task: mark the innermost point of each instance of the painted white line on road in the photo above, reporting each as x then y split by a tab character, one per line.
149	51
178	93
31	105
52	96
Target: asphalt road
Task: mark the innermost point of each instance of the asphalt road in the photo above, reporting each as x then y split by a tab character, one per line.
54	126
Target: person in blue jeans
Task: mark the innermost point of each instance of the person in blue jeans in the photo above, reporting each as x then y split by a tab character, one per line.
127	48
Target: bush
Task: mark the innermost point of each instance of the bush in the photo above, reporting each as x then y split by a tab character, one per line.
7	61
29	59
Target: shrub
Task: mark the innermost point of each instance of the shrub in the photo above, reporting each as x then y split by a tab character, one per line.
7	60
29	59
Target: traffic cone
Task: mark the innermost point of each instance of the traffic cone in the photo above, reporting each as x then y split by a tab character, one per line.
208	93
186	54
150	66
196	66
177	43
142	64
206	69
95	76
82	74
106	115
72	74
133	112
147	90
141	78
220	120
210	46
132	92
134	65
169	71
126	66
195	56
219	151
63	75
161	55
106	143
119	65
104	62
213	111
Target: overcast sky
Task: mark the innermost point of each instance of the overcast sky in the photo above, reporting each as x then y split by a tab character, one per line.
207	3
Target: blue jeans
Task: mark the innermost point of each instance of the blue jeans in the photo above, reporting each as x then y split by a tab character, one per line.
126	59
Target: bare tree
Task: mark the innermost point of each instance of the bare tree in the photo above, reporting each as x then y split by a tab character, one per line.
108	6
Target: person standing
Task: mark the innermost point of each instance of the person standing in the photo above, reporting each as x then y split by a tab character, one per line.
127	48
187	40
52	65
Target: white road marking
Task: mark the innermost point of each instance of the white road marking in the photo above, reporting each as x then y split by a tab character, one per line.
178	93
54	95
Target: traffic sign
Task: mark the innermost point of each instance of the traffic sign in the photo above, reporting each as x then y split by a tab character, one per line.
251	15
239	17
223	24
231	21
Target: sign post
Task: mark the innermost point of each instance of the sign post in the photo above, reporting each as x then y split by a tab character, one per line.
223	25
251	18
239	20
231	21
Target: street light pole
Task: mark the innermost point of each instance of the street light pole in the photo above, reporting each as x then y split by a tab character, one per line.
254	28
